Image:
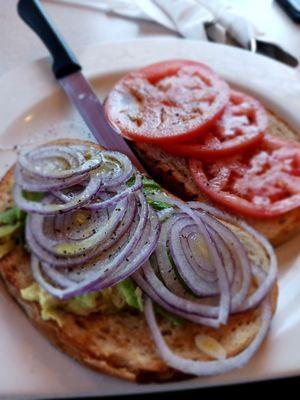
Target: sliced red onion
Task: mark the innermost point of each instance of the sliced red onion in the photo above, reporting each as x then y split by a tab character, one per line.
96	275
147	288
70	259
164	214
213	251
139	255
53	156
165	266
226	254
117	169
266	285
121	248
98	205
37	248
66	194
270	278
207	368
62	246
231	272
187	306
145	246
190	242
114	256
240	256
76	225
195	262
46	257
91	230
192	276
31	184
51	209
35	162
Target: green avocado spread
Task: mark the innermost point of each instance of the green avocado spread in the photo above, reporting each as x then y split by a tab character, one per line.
124	295
11	225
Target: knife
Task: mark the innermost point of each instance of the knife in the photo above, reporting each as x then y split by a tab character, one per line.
67	71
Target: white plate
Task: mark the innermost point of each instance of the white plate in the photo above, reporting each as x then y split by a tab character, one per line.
34	108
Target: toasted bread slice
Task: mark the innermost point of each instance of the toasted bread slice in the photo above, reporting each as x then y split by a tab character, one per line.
105	342
173	173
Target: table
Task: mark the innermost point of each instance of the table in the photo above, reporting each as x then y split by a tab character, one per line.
84	27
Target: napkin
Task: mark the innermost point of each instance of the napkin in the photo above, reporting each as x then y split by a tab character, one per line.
125	8
193	19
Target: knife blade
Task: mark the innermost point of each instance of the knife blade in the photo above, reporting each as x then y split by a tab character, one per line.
68	72
82	96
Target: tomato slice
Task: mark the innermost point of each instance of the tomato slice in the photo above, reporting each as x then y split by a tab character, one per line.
167	102
264	182
241	127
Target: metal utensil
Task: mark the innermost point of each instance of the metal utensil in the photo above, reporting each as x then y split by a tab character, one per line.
272	50
196	20
251	43
67	70
191	18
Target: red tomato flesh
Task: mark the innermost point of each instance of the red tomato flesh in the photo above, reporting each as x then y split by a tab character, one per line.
167	102
241	127
264	182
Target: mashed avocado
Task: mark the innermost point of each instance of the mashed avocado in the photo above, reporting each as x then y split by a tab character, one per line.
108	301
11	225
49	305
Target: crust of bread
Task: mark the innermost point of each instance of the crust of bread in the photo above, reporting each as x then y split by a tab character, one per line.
173	173
106	343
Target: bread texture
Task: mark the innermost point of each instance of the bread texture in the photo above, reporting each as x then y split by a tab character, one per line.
173	173
106	343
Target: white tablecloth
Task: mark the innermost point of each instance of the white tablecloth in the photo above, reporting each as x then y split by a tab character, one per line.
83	27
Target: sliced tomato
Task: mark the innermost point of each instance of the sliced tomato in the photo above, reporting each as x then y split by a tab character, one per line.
241	127
167	102
264	182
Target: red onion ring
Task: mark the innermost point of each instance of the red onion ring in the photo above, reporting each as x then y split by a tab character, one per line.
266	285
122	171
37	248
98	275
223	282
195	279
31	184
76	161
51	209
238	278
207	368
98	205
148	289
77	247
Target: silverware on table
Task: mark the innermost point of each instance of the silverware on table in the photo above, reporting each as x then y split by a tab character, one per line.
200	20
272	50
220	24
